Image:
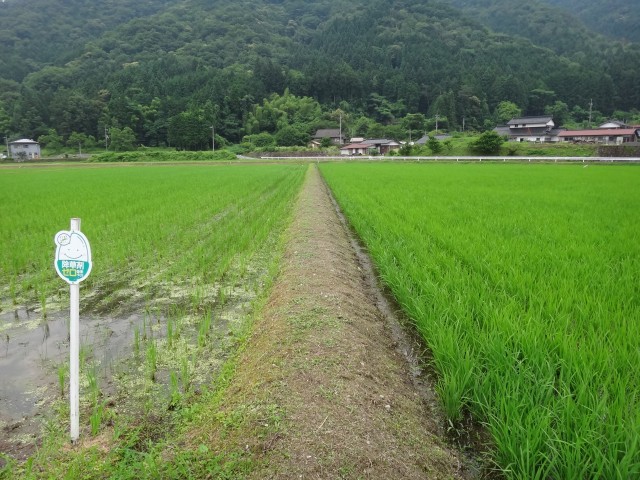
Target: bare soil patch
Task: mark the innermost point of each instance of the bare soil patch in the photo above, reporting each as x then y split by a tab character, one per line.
321	390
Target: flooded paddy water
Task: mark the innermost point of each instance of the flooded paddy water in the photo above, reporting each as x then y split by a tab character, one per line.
117	329
35	351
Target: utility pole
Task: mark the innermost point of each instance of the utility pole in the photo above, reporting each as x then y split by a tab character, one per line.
437	117
6	141
213	138
590	111
106	138
340	139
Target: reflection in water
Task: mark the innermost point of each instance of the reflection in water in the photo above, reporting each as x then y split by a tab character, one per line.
47	331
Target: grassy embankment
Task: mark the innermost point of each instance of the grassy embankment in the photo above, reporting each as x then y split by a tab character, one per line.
523	280
178	243
460	145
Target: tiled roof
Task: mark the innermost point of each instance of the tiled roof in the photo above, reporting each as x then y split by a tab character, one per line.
600	132
528	120
327	132
354	145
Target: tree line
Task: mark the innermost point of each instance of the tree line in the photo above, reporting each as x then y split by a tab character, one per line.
285	68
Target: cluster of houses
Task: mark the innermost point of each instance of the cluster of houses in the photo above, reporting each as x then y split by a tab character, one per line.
357	145
543	129
540	129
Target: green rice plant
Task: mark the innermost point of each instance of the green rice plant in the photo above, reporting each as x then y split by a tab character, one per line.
222	297
185	373
136	341
174	389
522	281
203	328
144	327
92	379
85	352
154	232
152	360
43	302
170	333
62	375
12	291
96	417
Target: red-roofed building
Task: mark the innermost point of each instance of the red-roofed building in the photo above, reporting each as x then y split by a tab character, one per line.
607	136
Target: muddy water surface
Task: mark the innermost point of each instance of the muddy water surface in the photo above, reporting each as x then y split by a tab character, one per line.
32	352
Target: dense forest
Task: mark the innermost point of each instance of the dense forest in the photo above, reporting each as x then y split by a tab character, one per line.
615	18
163	73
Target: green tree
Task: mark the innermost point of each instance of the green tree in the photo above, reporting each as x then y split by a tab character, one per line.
80	140
260	140
5	120
434	145
122	139
190	130
559	111
51	140
326	142
279	111
488	143
506	110
415	124
291	135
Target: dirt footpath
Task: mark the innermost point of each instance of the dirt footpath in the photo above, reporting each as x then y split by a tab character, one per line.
321	390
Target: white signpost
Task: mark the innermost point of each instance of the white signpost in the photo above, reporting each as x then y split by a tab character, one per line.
73	265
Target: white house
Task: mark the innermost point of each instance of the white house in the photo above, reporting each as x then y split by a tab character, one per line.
532	129
24	149
379	146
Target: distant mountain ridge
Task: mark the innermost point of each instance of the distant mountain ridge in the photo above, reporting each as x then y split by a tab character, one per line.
619	19
78	66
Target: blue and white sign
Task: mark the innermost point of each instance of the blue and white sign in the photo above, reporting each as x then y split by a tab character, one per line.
73	256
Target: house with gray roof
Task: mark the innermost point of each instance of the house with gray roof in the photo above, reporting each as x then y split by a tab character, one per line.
335	134
24	149
530	129
374	146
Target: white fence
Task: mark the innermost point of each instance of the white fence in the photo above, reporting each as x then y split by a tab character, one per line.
541	159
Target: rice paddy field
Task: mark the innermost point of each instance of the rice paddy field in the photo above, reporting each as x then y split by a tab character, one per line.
524	281
180	256
147	225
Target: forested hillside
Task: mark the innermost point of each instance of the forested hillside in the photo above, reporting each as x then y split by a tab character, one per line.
615	18
165	72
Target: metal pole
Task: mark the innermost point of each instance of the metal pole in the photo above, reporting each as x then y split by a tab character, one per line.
74	352
213	138
6	141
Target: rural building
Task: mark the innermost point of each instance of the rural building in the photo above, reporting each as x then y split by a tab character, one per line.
378	146
605	136
336	136
614	124
24	149
530	129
